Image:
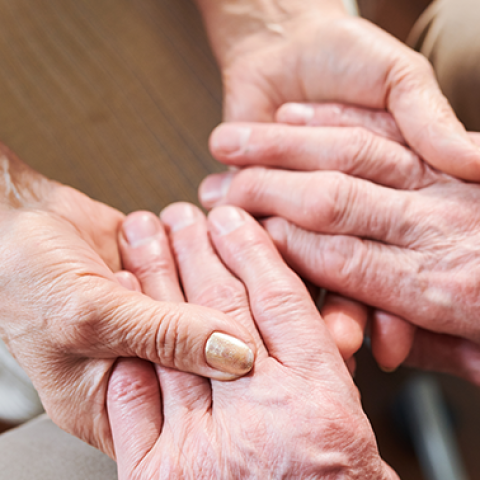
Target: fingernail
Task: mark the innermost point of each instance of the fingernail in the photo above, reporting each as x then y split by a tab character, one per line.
140	229
228	354
225	219
228	139
386	369
296	113
180	216
215	188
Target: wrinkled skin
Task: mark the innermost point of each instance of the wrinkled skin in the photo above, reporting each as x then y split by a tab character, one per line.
297	415
366	218
275	51
65	317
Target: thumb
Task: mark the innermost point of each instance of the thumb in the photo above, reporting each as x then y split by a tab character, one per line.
134	411
181	336
428	122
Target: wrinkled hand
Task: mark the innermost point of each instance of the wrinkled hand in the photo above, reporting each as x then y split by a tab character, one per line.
384	229
297	415
65	317
277	51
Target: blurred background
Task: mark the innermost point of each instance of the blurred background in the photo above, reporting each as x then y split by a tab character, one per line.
383	395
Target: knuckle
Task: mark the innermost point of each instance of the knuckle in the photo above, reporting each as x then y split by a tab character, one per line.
282	297
171	342
228	296
78	324
359	148
81	320
329	204
423	64
157	266
128	389
345	261
248	185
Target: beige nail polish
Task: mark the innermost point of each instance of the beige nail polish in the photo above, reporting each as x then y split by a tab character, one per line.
228	354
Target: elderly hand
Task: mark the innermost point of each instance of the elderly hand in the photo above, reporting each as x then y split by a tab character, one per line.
297	415
276	51
384	229
65	317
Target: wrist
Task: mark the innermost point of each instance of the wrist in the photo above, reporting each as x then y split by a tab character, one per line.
234	26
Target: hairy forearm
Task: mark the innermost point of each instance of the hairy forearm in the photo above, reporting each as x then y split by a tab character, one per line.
229	22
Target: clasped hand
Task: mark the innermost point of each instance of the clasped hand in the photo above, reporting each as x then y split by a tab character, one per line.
297	415
354	210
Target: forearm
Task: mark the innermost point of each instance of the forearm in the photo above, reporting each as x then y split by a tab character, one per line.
229	22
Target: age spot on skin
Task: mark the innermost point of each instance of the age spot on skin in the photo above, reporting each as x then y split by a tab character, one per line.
438	297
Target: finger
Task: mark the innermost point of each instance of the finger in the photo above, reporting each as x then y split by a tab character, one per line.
373	273
111	322
391	339
134	410
146	254
326	202
286	317
355	151
346	321
379	122
447	354
376	121
128	280
205	278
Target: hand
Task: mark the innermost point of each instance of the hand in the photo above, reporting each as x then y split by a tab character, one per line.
297	415
64	315
357	236
277	51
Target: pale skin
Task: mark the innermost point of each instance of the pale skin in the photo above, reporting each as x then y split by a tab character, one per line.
367	219
76	319
275	51
297	415
64	315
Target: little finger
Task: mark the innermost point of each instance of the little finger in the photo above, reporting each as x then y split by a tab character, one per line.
377	121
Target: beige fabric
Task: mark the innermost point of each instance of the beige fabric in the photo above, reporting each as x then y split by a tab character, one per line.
448	35
39	450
